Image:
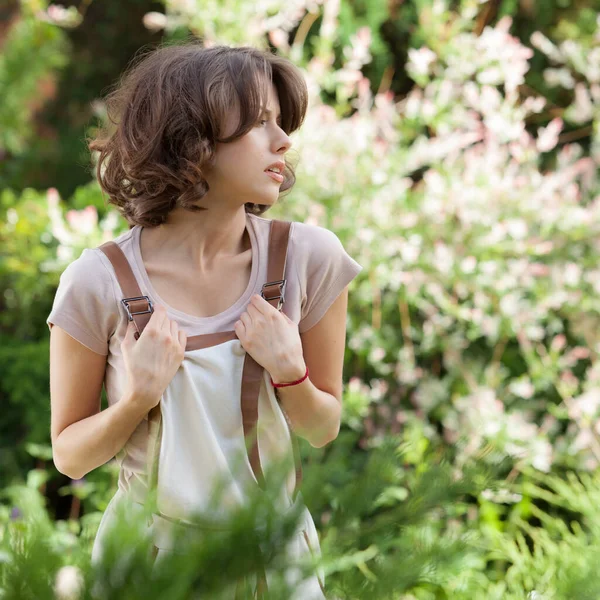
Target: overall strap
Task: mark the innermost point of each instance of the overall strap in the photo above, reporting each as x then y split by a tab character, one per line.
278	244
274	292
278	248
138	307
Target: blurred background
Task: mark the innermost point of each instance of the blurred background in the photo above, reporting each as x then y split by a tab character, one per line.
453	147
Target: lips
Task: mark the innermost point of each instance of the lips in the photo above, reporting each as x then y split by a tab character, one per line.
276	176
277	165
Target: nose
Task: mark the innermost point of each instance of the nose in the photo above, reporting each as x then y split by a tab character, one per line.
283	142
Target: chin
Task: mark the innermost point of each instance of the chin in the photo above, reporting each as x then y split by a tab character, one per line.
269	200
263	202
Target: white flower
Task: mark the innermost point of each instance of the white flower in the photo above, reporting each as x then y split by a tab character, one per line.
68	583
584	108
572	274
501	496
586	404
541	455
154	21
420	60
522	388
548	136
468	264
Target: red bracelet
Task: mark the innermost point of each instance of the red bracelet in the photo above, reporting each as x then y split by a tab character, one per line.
278	385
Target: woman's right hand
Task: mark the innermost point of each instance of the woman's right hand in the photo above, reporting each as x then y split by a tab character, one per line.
152	360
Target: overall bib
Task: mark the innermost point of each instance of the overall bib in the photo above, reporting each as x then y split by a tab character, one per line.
219	407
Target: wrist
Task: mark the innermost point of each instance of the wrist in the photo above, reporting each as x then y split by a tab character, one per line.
136	402
289	374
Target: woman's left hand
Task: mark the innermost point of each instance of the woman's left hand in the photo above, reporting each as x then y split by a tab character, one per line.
272	339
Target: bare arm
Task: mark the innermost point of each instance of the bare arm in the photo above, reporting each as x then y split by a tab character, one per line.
314	407
83	436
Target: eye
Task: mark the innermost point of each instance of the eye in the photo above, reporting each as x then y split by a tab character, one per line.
278	122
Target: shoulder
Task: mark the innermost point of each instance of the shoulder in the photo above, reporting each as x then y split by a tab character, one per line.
304	236
89	279
85	304
314	249
89	266
98	263
318	252
314	238
92	271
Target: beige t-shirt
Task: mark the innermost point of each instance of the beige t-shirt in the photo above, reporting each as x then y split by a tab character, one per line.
87	305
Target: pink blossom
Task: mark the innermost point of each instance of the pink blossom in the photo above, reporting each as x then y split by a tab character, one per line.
83	221
279	38
154	21
559	342
548	136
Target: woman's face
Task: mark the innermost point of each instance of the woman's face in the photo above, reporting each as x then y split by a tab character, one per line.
238	175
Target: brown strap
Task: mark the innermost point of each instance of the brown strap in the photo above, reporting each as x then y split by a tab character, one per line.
251	380
139	309
252	373
278	245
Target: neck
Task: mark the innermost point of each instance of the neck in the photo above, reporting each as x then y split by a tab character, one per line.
199	240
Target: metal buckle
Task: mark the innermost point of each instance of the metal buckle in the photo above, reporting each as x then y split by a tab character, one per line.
281	297
141	312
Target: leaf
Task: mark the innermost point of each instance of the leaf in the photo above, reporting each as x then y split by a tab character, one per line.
391	496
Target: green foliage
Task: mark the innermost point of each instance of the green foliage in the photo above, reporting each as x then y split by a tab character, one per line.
37	240
26	245
32	52
368	534
376	542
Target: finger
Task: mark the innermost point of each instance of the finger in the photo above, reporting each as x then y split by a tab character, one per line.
174	328
253	311
129	332
239	328
260	304
265	304
246	319
132	331
182	336
159	316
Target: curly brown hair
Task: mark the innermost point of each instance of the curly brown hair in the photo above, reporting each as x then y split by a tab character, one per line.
167	113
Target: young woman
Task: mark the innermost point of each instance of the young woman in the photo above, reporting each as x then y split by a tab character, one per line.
205	322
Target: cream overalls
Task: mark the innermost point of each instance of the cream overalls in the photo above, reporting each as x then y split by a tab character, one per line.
219	398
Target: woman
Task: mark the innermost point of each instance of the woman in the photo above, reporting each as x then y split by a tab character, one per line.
195	157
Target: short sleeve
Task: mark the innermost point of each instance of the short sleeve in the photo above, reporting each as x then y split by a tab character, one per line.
324	269
85	304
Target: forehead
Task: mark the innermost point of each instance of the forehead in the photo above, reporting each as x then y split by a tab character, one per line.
272	100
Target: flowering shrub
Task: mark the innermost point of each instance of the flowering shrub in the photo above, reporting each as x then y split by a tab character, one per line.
482	279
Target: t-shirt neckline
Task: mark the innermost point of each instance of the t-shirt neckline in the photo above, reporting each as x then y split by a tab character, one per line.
239	303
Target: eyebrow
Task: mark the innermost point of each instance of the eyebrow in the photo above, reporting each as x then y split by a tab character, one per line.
268	112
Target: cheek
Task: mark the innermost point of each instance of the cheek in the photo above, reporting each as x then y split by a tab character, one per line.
238	158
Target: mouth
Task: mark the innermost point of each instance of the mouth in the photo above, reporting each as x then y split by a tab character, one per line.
276	176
